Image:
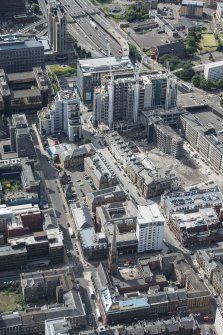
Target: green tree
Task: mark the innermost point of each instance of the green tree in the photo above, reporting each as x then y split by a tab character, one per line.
134	53
35	8
87	140
196	80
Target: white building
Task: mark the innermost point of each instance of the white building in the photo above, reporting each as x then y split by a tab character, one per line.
219	320
213	71
62	115
149	228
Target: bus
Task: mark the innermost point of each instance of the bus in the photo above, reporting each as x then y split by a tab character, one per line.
186	87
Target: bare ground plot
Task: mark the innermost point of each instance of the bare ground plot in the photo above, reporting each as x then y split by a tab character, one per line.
185	169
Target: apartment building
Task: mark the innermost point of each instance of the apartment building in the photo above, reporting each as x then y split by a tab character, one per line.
91	73
147	5
214	71
20	53
149	228
123	99
203	131
62	115
191	8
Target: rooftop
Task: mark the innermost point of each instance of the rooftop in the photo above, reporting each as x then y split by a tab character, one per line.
105	64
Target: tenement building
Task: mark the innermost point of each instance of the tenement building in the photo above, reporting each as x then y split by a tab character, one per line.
57	297
193	215
210	260
136	293
149	180
99	172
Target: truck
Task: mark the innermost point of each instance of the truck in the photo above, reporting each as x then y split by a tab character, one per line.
71	233
91	292
98	314
93	24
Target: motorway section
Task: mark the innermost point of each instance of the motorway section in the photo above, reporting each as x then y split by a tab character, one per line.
89	27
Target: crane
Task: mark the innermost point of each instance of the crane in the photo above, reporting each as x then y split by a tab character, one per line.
169	75
136	91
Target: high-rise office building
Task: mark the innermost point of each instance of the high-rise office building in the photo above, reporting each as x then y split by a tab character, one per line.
12	6
149	228
62	115
123	99
19	53
57	29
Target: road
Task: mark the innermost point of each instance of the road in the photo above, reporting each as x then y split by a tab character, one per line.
80	15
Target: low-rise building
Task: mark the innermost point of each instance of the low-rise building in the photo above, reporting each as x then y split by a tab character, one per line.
147	5
69	155
192	8
184	326
210	260
105	196
24	91
99	172
94	245
122	213
166	25
58	326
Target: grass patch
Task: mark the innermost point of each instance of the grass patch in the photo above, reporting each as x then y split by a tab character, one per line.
209	40
208	43
64	70
11	299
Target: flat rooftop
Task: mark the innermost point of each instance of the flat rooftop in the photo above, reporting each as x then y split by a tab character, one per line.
105	64
191	200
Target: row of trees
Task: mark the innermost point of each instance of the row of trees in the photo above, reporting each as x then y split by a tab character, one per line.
174	63
193	39
207	85
132	14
